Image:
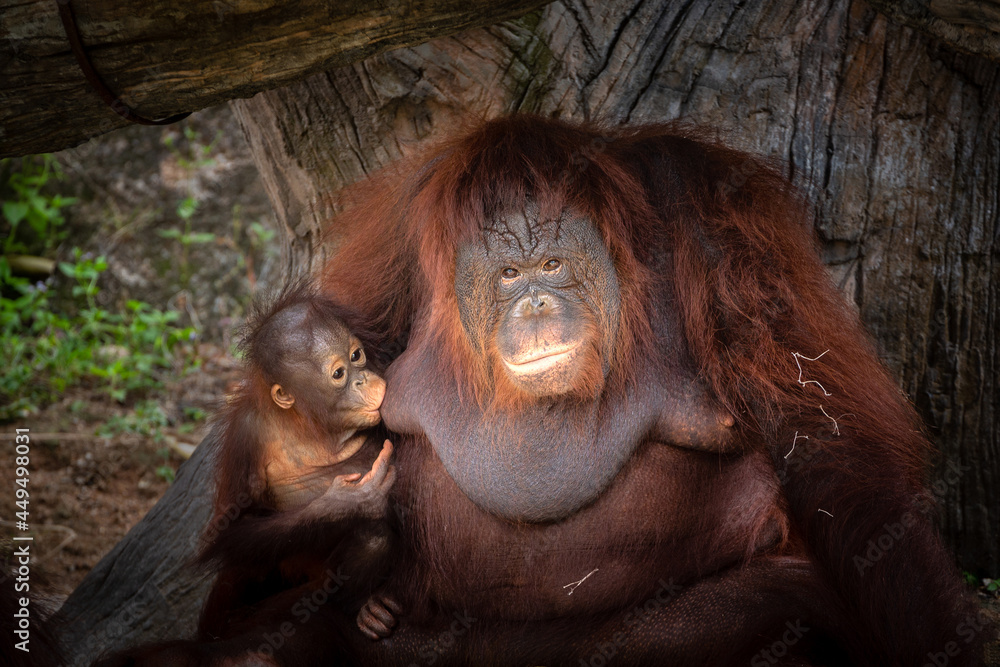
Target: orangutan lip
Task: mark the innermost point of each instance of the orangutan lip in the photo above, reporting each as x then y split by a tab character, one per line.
542	363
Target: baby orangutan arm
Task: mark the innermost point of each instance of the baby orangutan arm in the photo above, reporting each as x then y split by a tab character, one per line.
272	535
355	496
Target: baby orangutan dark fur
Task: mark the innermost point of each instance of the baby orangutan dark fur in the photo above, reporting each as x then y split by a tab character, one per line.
298	464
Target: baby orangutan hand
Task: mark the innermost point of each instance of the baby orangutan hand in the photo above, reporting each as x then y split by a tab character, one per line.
357	496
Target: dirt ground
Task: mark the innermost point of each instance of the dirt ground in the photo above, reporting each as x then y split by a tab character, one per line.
88	490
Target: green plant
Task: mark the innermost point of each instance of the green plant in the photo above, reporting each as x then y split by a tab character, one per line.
146	419
165	470
186	237
250	243
192	417
51	348
25	202
989	585
191	153
259	235
84	271
194	414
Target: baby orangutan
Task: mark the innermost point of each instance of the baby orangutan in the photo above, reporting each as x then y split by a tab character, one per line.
302	485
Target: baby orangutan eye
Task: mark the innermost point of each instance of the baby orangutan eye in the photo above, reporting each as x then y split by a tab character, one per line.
357	355
339	373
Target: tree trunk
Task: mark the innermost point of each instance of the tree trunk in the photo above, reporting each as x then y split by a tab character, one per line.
895	137
187	54
145	588
971	25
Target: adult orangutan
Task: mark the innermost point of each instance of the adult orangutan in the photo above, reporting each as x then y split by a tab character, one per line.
616	342
615	338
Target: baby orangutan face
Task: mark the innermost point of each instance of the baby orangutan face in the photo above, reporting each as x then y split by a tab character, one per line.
327	379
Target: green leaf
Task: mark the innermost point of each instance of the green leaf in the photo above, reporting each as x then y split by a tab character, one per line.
58	201
187	207
39	202
14	212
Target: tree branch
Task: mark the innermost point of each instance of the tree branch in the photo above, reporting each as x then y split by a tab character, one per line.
164	58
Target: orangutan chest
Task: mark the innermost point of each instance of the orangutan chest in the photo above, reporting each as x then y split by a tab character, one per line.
536	466
668	516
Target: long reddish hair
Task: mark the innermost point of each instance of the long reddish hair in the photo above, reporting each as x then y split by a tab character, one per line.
423	209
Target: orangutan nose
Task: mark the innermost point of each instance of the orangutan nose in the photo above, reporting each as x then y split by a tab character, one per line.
533	303
362	378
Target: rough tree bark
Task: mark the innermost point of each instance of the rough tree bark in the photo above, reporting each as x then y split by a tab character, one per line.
894	136
163	59
971	25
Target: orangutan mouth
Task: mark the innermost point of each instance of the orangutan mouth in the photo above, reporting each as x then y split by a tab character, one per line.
543	362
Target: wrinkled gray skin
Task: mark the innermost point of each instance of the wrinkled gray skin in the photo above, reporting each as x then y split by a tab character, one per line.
564	281
543	462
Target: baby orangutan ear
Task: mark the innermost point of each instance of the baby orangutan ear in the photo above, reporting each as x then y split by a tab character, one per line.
281	397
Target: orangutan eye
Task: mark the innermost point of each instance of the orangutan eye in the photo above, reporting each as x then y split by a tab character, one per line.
551	265
339	373
509	273
357	355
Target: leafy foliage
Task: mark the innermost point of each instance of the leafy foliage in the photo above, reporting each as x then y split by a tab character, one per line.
50	345
33	217
50	350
